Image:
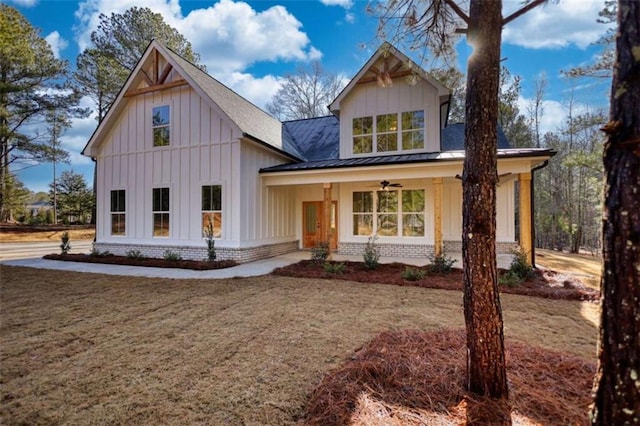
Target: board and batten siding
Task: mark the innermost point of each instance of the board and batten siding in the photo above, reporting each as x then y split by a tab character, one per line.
370	100
452	211
204	150
266	212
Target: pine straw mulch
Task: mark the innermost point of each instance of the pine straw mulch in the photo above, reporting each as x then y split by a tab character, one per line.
198	265
416	378
546	283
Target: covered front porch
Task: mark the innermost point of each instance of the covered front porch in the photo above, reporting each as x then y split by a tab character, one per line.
414	209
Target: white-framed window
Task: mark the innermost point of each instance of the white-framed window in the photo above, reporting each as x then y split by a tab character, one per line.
161	212
212	210
395	132
161	125
118	212
389	213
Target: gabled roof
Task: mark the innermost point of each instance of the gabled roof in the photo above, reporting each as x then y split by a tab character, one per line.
452	138
396	64
248	118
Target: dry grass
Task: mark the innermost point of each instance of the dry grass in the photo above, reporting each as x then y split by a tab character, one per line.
586	268
88	349
11	236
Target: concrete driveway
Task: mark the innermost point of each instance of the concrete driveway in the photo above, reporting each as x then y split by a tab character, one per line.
30	250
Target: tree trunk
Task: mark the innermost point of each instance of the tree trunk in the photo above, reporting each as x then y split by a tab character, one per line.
486	373
617	384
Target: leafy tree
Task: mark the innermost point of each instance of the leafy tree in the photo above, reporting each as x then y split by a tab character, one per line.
617	384
58	123
16	197
118	44
75	198
305	94
431	23
514	125
30	86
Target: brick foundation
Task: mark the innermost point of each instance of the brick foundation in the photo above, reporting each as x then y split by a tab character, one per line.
388	250
240	255
501	247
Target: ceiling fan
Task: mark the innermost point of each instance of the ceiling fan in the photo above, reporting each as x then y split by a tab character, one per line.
385	185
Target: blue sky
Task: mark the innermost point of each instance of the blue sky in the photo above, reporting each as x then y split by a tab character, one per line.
250	45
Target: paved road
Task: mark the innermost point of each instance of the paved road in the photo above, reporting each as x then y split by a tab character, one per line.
30	250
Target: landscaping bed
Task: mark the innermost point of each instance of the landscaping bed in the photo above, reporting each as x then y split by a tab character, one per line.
544	283
198	265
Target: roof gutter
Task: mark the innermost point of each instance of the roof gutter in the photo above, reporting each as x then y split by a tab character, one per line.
533	202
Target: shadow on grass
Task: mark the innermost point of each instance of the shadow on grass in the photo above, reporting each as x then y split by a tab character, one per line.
413	377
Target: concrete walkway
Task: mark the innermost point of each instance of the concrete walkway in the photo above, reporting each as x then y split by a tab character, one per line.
250	269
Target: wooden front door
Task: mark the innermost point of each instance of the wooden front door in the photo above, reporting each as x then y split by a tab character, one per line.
313	224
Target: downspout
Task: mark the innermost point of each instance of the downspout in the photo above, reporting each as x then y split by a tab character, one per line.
533	202
95	199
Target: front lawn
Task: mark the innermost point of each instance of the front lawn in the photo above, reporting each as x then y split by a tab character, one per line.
93	349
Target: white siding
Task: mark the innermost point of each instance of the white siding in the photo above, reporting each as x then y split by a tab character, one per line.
204	150
266	213
370	100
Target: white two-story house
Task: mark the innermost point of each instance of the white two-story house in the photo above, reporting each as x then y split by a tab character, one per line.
178	151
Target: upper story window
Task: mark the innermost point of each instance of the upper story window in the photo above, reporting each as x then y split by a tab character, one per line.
391	133
161	125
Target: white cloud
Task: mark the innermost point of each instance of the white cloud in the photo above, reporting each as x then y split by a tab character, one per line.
56	42
257	90
229	36
24	3
555	25
344	3
349	18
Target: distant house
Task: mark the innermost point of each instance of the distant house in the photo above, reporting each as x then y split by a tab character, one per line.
36	207
179	151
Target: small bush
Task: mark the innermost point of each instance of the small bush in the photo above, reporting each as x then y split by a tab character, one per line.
334	267
97	253
371	253
413	274
519	270
320	253
135	254
66	245
440	263
171	255
211	243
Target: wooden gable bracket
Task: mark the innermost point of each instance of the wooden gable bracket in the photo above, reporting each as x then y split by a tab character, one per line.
157	80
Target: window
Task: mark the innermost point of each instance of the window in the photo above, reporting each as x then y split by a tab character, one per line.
212	210
412	130
161	127
389	212
118	215
413	213
363	213
407	127
387	131
362	135
160	212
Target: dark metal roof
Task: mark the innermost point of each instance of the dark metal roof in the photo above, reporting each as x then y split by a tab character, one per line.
426	157
452	138
315	138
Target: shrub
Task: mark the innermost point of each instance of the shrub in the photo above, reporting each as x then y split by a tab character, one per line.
66	245
371	253
412	274
440	263
171	255
519	270
320	253
211	243
97	253
135	254
334	267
